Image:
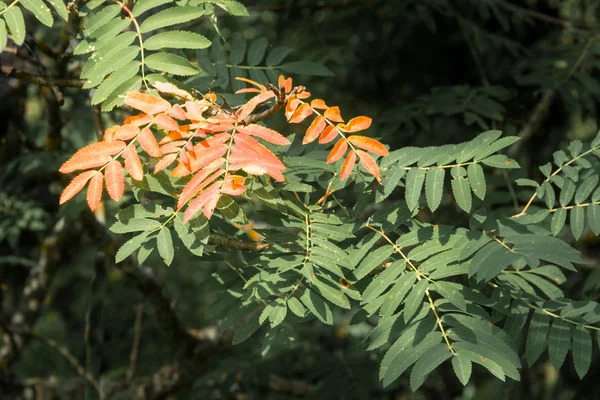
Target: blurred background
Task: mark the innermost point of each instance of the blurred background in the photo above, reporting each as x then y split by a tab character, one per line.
429	72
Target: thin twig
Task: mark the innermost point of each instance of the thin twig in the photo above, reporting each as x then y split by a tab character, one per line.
135	347
222	241
45	81
473	49
563	23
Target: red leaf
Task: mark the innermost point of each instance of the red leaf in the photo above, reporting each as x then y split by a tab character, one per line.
286	84
328	135
177	112
115	181
133	165
109	134
315	128
146	103
370	165
348	165
148	142
75	186
207	201
267	134
338	151
301	113
164	162
318	104
369	144
92	156
333	114
199	181
126	132
357	124
234	185
165	122
94	191
254	158
138	120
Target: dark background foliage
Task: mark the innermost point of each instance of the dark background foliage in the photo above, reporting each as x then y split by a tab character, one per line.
429	72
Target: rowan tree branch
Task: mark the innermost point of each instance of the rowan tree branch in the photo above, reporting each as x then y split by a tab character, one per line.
45	81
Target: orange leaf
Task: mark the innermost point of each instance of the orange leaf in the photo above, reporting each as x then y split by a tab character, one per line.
75	186
148	142
115	181
109	134
146	103
92	156
172	136
338	151
172	147
301	113
291	107
258	85
234	185
328	135
249	107
348	165
254	158
199	181
94	191
133	165
167	87
318	104
127	132
286	84
138	120
357	124
207	201
165	122
370	165
333	114
194	111
164	162
368	144
267	134
177	112
315	128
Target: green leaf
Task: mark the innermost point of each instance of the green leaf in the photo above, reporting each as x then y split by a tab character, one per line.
476	145
135	225
582	350
130	246
164	243
462	367
238	51
594	218
277	55
536	338
116	97
40	10
496	146
586	187
278	313
256	51
60	8
141	6
462	193
434	187
567	192
382	281
108	64
296	307
16	24
373	260
380	335
396	294
549	195
306	68
451	292
414	299
317	306
116	79
558	220
477	180
577	221
548	288
414	185
500	161
172	16
559	342
177	40
3	35
409	347
575	148
233	7
194	234
490	260
100	17
171	64
246	330
333	294
465	350
429	361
